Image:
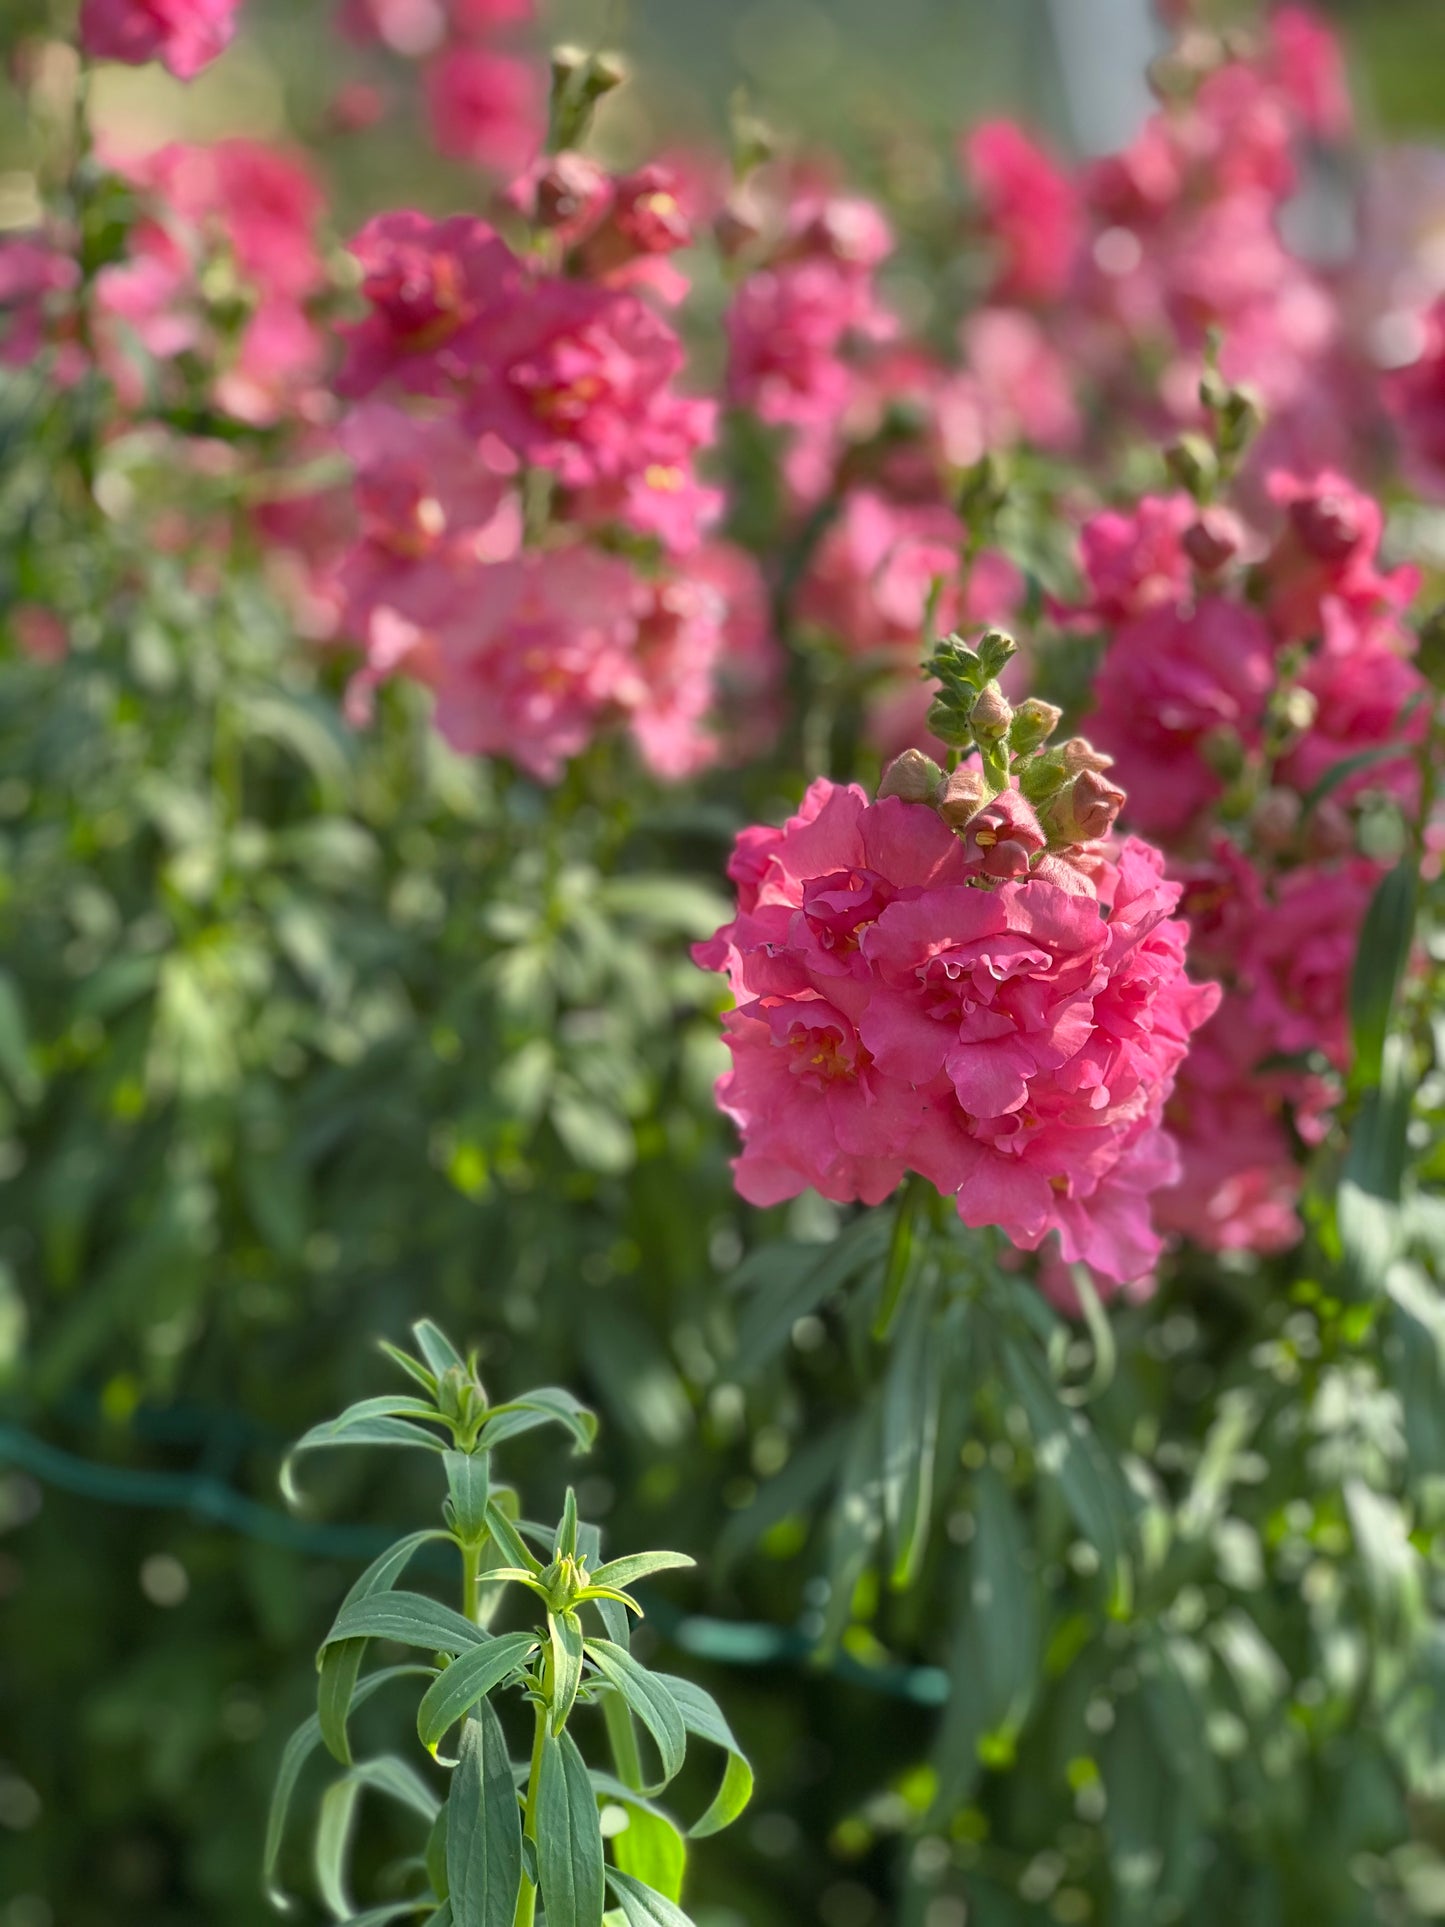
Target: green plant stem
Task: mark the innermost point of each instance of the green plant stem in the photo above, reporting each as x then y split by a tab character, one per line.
527	1895
623	1738
904	1250
471	1590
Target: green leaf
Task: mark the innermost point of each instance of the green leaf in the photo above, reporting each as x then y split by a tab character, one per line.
337	1819
1363	759
413	1367
1068	1451
642	1906
340	1663
622	1573
484	1828
357	1427
408	1617
1380	961
437	1349
791	1493
703	1718
469	1678
855	1526
650	1700
469	1487
15	1059
565	1632
564	1540
298	1749
794	1280
513	1545
569	1837
912	1398
550	1405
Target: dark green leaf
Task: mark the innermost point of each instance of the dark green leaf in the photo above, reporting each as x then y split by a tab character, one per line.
565	1632
569	1837
298	1749
642	1906
1379	965
912	1396
409	1617
341	1662
337	1819
794	1280
484	1828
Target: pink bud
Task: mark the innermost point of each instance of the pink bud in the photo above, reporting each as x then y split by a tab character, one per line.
912	776
1275	819
1214	539
964	795
1327	525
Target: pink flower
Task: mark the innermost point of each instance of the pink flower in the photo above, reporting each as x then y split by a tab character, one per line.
1135	560
487	108
1309	68
1029	209
1170	680
1327	554
1415	397
1298	962
184	35
875	571
1366	698
35	280
427	285
39	632
1012	1042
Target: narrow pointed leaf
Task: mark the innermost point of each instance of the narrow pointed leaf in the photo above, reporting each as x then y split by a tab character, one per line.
650	1700
513	1545
1380	961
912	1396
564	1540
436	1348
337	1819
565	1631
569	1837
621	1573
458	1687
340	1662
297	1751
408	1617
642	1906
347	1430
413	1367
703	1718
550	1405
484	1828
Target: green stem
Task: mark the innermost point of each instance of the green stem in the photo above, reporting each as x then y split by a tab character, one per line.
526	1899
623	1737
471	1591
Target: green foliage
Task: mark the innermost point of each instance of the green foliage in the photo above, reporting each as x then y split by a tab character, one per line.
482	1875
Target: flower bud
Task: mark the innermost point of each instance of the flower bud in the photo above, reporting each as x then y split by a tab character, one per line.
1327	525
1033	724
1275	819
1214	540
1298	710
1085	811
1194	465
1079	754
736	227
572	191
962	795
912	776
1329	831
991	716
1223	751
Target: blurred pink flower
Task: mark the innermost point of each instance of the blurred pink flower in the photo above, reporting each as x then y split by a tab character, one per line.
184	35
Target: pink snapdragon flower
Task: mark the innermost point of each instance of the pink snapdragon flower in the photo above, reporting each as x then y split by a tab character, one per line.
1013	1041
1298	962
1172	679
1029	208
1414	394
184	35
1135	560
485	107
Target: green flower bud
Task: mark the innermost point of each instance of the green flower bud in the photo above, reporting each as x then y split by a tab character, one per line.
1033	724
1194	465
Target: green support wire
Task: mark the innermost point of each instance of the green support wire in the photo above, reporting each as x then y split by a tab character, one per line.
725	1641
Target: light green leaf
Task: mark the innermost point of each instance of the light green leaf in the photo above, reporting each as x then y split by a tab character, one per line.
569	1837
549	1405
337	1819
484	1828
649	1698
651	1847
514	1547
469	1678
703	1718
1380	961
912	1397
437	1349
357	1428
340	1663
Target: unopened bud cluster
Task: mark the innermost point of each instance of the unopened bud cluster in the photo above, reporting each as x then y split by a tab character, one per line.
1020	799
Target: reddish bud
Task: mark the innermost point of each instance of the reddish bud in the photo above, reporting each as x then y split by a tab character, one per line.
1085	811
1327	525
1214	539
1275	819
963	795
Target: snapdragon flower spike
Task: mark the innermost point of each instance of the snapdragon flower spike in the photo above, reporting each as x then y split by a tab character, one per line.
936	983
